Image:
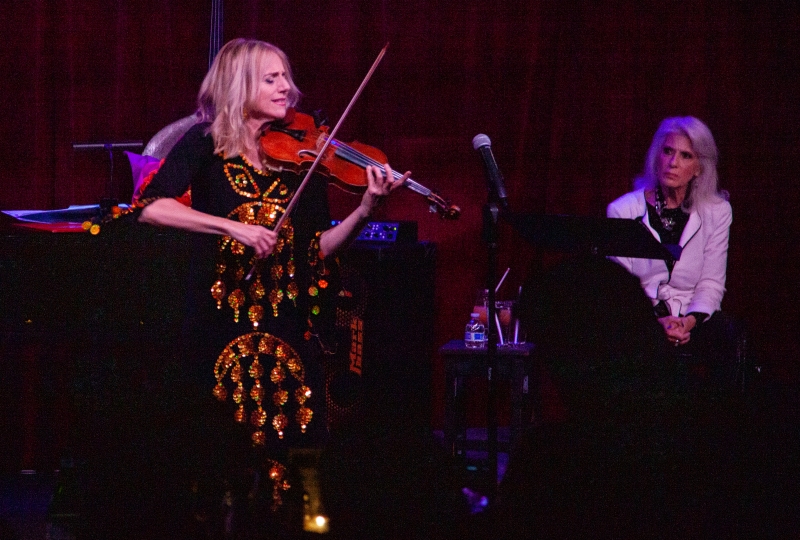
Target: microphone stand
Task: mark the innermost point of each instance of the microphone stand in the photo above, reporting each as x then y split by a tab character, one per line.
496	203
491	211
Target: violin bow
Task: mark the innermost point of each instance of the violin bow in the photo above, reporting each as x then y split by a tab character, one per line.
321	153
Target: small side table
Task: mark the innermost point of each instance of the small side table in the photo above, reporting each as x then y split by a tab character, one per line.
513	363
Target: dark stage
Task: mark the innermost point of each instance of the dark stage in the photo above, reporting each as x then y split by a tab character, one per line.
570	94
556	486
649	447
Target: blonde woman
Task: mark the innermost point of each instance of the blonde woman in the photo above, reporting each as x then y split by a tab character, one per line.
248	86
252	343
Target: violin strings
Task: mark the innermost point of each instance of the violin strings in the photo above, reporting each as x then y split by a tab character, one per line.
362	160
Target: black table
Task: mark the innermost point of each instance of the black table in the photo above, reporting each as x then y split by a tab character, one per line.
83	314
514	363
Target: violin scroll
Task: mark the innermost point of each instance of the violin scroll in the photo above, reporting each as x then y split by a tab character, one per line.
444	208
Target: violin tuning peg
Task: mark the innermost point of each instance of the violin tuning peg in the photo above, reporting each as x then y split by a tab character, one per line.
320	118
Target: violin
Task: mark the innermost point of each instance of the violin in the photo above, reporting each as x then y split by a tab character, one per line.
294	143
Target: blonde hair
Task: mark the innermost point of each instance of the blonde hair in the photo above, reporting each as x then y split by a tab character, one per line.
704	189
231	86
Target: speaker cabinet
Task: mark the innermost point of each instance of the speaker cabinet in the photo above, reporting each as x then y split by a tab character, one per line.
385	315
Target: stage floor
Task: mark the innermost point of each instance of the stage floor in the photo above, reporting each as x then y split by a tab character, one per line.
38	505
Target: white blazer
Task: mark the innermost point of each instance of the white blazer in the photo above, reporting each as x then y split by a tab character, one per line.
697	282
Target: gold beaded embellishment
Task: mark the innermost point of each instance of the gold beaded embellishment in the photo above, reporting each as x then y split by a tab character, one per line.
240	177
230	276
277	475
93	226
256	347
319	280
265	211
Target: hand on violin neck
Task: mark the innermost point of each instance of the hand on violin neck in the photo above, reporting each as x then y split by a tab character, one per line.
380	186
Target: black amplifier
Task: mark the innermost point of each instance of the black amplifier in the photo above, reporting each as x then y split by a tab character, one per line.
387	232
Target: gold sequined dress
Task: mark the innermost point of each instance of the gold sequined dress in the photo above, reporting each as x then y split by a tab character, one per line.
254	341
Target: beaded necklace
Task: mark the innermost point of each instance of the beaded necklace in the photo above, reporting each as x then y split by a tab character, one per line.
667	221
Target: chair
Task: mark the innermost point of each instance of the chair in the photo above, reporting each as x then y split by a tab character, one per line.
143	166
728	361
163	141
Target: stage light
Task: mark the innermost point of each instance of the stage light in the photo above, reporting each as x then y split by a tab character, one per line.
317	524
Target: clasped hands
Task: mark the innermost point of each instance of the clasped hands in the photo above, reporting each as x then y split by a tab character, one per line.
678	329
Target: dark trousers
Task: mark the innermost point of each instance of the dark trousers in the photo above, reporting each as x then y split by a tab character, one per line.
718	356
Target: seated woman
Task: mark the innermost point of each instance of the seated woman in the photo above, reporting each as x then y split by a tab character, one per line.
678	199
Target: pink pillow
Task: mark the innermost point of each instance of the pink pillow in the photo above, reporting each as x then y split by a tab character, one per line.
141	167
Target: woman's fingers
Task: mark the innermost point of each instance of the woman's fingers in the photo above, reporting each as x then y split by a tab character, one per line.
377	183
674	330
393	182
266	242
382	184
261	239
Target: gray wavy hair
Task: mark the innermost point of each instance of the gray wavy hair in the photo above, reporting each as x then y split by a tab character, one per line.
704	189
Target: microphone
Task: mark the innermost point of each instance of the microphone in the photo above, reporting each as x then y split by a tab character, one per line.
483	144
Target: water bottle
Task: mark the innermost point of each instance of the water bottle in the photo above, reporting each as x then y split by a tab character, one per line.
475	333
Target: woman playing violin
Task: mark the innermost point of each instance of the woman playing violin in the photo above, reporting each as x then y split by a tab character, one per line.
255	336
248	86
237	199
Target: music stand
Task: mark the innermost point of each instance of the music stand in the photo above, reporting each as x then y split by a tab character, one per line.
587	235
108	147
600	236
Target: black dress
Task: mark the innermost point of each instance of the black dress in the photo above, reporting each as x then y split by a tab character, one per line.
276	315
246	384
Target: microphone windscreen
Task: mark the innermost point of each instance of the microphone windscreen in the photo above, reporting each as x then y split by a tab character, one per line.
481	140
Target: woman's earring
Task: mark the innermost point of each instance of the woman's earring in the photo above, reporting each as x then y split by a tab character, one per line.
245	115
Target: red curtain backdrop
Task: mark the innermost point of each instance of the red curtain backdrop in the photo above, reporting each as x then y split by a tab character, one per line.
569	93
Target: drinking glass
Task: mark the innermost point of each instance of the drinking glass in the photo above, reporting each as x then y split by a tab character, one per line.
481	303
503	311
508	332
